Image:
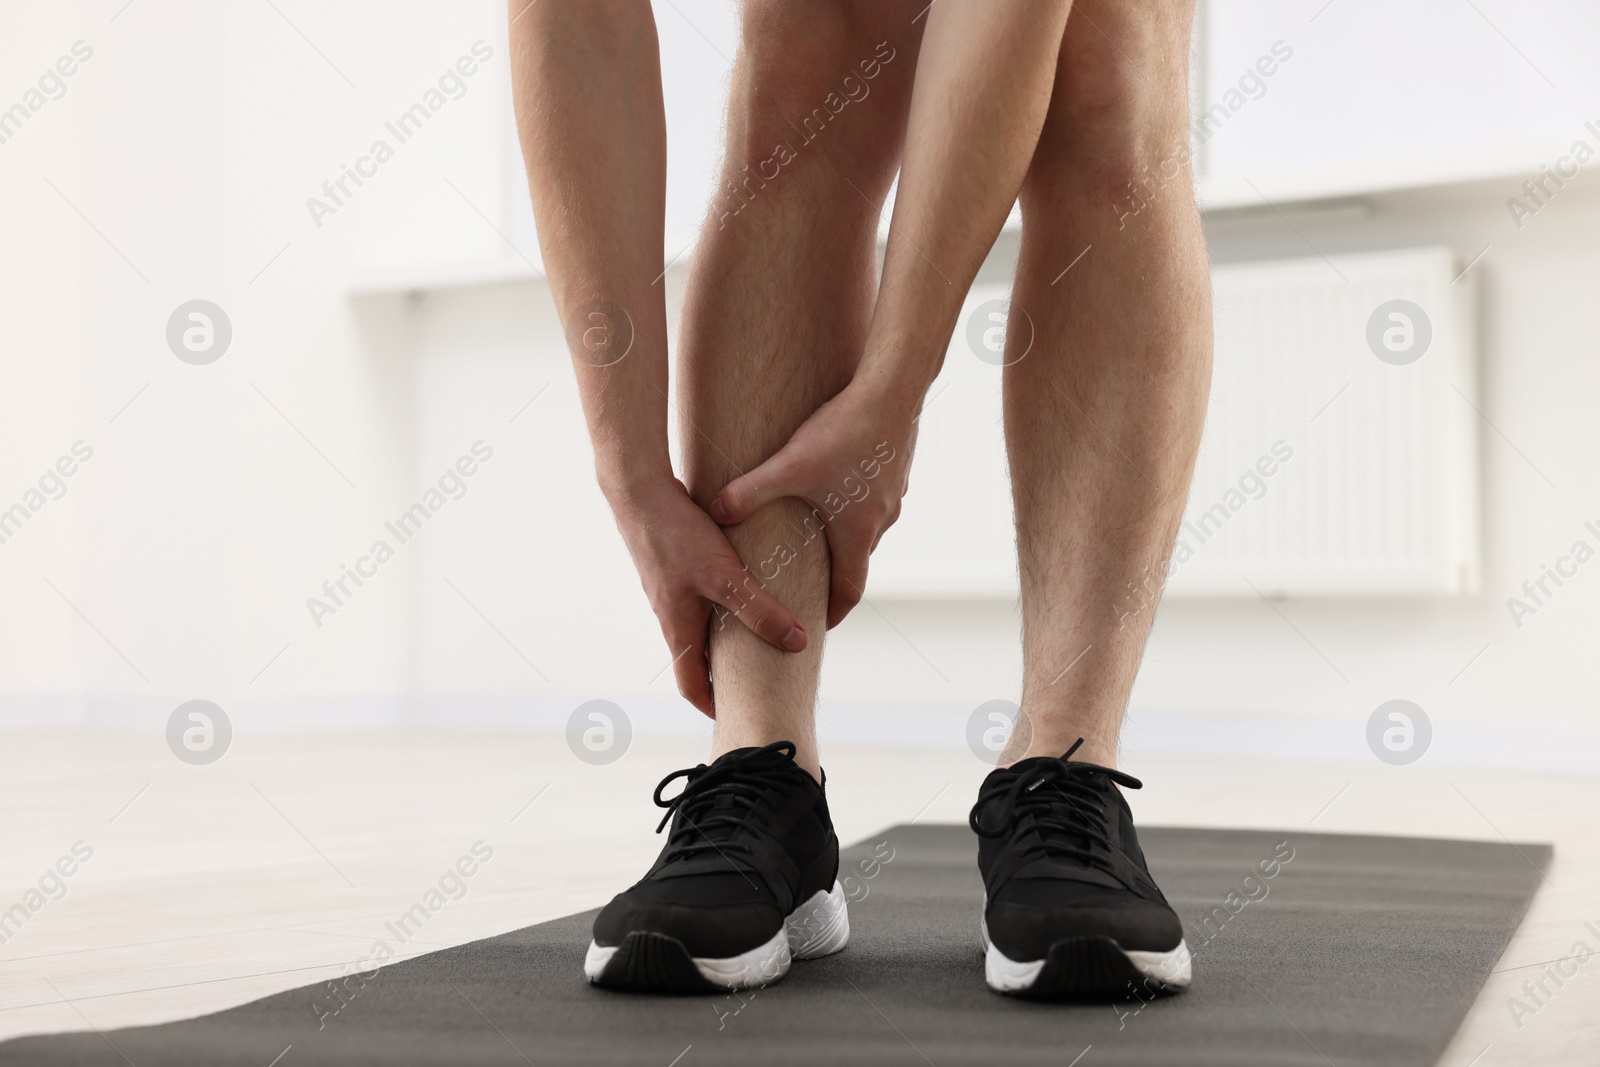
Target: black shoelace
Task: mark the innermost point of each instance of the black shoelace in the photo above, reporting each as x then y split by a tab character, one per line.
717	800
1054	809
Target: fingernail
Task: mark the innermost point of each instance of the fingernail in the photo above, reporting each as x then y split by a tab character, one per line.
719	511
794	640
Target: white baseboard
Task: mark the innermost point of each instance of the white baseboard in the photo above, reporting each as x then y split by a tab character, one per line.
1152	733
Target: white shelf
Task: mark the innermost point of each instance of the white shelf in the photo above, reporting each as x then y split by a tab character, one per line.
1439	171
454	274
1217	195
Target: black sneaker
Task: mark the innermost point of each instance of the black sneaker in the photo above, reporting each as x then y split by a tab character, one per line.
1069	909
746	883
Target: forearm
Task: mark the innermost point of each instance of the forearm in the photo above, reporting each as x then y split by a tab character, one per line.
587	87
983	87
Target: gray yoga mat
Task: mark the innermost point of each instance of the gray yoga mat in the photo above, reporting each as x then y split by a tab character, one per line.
1355	950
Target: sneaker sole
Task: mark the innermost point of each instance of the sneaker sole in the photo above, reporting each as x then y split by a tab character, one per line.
1088	966
650	962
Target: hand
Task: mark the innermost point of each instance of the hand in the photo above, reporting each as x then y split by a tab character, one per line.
850	462
687	566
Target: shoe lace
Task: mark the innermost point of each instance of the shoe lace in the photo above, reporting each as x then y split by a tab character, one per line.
1054	809
716	800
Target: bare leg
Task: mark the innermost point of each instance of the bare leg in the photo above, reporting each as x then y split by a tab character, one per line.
1104	413
777	309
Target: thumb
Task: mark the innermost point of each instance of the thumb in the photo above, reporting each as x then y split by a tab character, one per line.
849	582
749	493
761	612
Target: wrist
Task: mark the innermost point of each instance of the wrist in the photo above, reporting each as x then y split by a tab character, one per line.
894	392
626	482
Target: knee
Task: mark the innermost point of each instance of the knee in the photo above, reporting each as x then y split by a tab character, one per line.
819	75
1119	115
797	51
790	45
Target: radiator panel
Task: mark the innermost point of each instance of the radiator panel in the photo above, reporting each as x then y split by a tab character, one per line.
1325	470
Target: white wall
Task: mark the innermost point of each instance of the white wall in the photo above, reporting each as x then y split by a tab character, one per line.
190	543
1533	684
1387	86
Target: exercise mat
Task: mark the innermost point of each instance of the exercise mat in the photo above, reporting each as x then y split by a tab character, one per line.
1312	949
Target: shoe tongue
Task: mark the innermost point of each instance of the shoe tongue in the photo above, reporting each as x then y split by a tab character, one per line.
1036	761
735	754
1023	767
741	754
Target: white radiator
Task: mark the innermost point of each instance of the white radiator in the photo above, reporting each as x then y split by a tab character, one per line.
1336	460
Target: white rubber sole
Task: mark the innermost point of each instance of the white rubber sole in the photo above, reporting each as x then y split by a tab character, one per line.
1171	969
819	927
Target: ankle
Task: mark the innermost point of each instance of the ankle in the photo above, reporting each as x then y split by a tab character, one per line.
1091	751
805	755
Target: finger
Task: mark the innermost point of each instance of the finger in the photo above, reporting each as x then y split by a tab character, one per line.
690	667
761	613
894	517
849	584
750	492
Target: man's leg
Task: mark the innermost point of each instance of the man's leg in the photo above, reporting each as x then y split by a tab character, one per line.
777	308
774	321
1103	415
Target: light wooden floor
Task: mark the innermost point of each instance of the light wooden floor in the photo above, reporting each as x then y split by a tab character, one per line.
280	865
